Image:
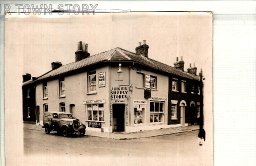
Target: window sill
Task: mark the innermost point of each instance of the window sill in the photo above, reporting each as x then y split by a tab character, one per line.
62	96
183	92
45	98
175	91
174	118
95	121
92	93
156	123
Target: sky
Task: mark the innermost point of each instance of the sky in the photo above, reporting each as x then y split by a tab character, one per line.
41	40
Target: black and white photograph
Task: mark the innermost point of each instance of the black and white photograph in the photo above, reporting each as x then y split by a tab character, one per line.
112	89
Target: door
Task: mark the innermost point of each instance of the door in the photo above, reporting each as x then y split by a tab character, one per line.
182	115
118	117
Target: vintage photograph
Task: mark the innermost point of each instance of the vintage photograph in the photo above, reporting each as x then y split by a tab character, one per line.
110	87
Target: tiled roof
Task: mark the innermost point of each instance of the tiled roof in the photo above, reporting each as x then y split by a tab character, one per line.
117	54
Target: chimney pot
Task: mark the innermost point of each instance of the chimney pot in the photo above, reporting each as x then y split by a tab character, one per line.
139	43
190	65
177	59
56	65
144	42
181	58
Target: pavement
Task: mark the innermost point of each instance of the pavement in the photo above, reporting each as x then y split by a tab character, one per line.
124	136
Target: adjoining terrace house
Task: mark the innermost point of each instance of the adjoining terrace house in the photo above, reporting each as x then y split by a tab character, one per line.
121	91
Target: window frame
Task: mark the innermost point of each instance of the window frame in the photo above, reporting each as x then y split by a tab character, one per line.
61	106
174	80
62	87
45	105
183	86
153	83
89	82
93	109
157	113
45	90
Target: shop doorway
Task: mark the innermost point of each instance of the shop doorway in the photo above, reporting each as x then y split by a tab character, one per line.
118	117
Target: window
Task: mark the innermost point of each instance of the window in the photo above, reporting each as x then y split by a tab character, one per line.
62	87
91	85
28	112
183	86
150	82
45	107
28	93
153	82
192	89
174	111
174	85
156	112
45	90
139	112
62	107
95	112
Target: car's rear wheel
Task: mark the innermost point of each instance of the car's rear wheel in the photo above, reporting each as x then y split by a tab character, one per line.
65	131
47	130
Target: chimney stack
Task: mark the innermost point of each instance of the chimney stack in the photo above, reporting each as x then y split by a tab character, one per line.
192	70
142	49
56	65
82	51
179	64
26	77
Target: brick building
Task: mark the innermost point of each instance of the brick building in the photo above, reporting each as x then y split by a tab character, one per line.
28	98
121	91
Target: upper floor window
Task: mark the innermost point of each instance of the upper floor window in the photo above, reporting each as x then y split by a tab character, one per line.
91	84
174	85
45	90
62	87
183	86
153	82
150	81
62	107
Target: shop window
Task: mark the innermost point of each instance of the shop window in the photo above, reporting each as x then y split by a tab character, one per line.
156	112
91	84
62	107
95	112
174	111
175	85
62	87
45	90
139	113
183	87
45	107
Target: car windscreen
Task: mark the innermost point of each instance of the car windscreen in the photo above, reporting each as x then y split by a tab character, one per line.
65	116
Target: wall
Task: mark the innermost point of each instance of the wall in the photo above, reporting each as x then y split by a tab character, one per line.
75	93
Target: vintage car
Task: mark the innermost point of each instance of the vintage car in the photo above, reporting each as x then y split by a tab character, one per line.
64	123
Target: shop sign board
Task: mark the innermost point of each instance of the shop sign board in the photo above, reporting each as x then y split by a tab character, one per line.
94	124
102	79
119	94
